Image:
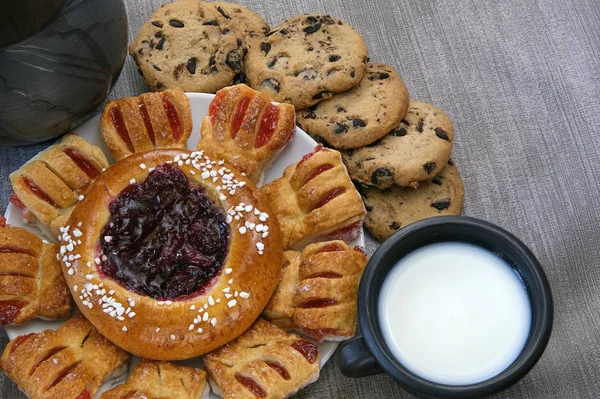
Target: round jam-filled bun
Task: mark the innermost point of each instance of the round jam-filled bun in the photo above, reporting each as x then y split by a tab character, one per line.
171	254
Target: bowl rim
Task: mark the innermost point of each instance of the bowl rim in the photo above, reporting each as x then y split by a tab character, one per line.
538	337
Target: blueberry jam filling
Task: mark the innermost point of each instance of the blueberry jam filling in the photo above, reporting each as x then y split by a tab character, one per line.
165	237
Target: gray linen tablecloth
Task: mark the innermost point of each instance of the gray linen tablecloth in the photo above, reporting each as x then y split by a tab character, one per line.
521	81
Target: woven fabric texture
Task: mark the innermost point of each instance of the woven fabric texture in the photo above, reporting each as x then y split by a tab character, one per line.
521	82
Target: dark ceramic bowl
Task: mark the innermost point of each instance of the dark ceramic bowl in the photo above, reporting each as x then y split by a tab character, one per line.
58	61
368	355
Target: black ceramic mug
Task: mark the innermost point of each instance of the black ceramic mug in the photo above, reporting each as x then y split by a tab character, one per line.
369	354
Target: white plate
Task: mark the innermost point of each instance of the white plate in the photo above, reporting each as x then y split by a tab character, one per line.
90	131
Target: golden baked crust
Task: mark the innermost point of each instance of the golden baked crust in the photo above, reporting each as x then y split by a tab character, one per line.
146	122
31	281
318	291
263	362
247	129
178	329
62	364
315	200
160	380
48	186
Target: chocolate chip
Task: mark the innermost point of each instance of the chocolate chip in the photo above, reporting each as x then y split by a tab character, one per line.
340	128
239	42
265	47
225	31
352	74
212	22
441	204
157	68
140	50
394	226
310	114
320	95
158	35
311	20
157	24
312	29
341	109
270	33
151	44
160	44
356	123
451	162
307	74
159	85
284	32
214	69
271	84
366	60
334	58
398	132
240	78
178	70
405	122
211	61
311	48
369	208
191	65
378	76
441	134
234	60
274	60
381	175
223	13
420	126
437	180
429	167
176	24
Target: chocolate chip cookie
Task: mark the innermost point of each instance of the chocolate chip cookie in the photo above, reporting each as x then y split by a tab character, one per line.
361	115
391	209
306	59
197	46
417	149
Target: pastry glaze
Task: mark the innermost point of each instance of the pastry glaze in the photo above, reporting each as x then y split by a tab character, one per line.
180	328
146	122
71	362
31	281
245	128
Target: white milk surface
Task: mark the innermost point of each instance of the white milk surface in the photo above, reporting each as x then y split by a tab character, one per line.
454	313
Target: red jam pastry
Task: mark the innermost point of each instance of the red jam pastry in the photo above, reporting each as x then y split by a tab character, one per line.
264	362
69	363
31	281
247	129
160	380
146	122
172	254
48	186
317	291
315	200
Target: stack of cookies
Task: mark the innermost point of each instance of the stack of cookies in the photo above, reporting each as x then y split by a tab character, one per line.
397	150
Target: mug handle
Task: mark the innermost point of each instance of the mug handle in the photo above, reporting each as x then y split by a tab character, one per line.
355	360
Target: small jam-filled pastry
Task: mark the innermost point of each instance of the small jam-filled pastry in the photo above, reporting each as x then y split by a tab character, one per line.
69	363
146	122
315	200
264	362
318	290
31	281
161	380
247	129
48	186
